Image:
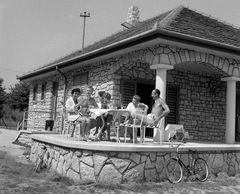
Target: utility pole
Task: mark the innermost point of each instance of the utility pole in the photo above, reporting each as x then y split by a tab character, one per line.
84	15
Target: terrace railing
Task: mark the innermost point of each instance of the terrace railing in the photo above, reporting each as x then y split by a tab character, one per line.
37	120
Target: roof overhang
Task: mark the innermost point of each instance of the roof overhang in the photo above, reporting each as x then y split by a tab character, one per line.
143	40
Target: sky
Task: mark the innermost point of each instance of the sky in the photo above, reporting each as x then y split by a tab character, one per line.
34	33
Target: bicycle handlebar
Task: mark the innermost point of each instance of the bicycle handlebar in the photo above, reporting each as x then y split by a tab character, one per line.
178	145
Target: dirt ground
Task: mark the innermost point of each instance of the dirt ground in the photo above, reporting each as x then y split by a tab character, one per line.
17	175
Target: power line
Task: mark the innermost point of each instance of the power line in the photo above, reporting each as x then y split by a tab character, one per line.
11	70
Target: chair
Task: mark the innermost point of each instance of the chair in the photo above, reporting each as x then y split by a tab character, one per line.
141	110
70	124
103	125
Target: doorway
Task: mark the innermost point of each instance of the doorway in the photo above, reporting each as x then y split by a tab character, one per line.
145	91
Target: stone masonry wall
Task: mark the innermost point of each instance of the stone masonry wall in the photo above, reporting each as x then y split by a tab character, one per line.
202	104
39	110
121	167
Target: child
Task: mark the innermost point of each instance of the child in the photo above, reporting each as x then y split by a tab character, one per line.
105	118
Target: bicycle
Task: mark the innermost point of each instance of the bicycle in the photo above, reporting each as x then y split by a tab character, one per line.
197	166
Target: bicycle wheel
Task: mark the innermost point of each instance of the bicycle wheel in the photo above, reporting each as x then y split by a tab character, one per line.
200	169
174	171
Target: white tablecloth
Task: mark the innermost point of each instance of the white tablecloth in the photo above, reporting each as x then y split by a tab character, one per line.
114	112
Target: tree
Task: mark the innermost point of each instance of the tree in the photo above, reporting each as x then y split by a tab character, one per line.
18	97
2	97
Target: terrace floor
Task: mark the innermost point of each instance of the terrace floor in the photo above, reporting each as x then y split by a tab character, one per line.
148	146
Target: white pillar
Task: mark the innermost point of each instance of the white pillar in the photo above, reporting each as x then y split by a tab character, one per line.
230	108
161	81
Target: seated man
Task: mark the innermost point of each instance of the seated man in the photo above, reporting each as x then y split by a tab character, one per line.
86	103
159	110
132	107
106	118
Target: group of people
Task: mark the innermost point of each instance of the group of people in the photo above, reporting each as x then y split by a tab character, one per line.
78	108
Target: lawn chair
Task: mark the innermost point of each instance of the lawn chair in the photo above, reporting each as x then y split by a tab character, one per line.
142	110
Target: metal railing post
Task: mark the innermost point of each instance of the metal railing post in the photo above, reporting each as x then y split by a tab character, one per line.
23	121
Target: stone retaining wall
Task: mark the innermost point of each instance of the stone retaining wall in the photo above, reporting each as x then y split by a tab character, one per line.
121	167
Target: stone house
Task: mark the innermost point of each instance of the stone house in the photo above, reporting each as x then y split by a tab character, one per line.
192	58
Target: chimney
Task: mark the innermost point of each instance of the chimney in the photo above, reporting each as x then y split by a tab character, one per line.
133	15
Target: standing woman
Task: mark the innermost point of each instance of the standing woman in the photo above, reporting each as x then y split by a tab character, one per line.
73	108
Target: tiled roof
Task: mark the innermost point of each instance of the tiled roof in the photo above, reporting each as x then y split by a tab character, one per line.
181	20
139	28
196	24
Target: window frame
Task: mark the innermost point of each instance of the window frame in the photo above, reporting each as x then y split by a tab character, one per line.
35	92
43	91
78	76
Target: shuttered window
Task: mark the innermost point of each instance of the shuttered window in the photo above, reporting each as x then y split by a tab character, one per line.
43	92
173	104
80	80
35	88
128	91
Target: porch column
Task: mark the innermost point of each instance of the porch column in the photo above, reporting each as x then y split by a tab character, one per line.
161	81
230	108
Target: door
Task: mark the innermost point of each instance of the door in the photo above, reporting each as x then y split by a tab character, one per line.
129	88
145	91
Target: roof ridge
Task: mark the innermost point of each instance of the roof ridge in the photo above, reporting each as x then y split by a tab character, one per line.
165	21
214	18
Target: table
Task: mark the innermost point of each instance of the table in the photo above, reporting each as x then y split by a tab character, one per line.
116	113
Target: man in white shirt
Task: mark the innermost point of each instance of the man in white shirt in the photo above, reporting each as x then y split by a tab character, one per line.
132	107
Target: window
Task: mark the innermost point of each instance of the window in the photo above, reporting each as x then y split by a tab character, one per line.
80	80
172	101
43	92
35	92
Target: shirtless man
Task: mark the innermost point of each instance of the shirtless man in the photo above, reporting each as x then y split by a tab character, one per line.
86	103
159	110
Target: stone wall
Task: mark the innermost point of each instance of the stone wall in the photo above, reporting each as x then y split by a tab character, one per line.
121	167
202	103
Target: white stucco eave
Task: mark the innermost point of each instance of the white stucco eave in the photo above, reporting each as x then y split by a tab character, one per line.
134	38
237	79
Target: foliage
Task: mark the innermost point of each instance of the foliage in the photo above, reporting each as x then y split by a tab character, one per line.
2	98
18	96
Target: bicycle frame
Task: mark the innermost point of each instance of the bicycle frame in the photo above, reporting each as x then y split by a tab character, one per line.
190	163
188	167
